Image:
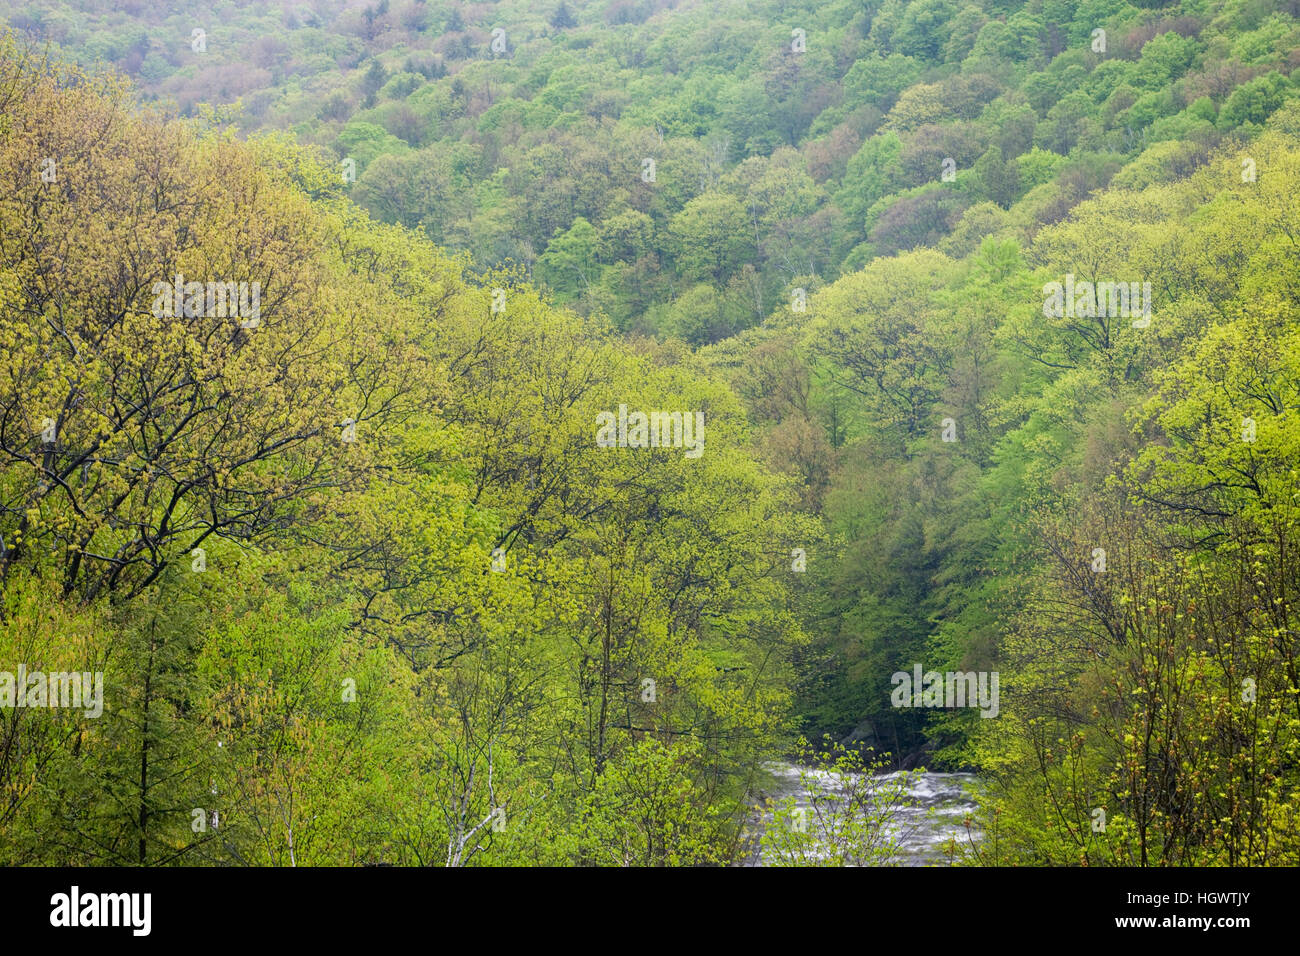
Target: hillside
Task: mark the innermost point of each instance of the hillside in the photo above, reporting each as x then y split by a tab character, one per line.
978	321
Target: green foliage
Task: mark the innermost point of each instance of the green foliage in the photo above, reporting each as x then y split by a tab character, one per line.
873	103
429	642
416	641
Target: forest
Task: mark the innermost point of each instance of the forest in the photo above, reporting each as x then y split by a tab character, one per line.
493	434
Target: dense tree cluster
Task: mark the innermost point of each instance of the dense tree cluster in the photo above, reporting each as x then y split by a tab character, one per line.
460	630
789	159
1111	524
990	310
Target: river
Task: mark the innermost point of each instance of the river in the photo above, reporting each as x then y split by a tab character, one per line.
933	811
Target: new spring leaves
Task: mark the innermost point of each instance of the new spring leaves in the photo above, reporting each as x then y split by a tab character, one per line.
1097	565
